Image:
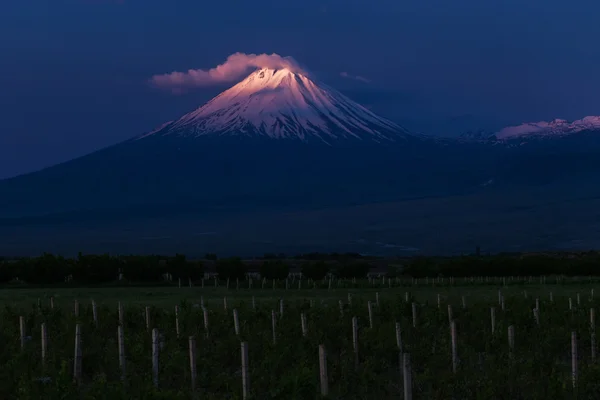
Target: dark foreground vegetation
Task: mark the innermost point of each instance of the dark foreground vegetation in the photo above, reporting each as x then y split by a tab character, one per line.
105	269
552	355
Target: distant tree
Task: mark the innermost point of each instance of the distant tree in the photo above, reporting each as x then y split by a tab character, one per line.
353	270
95	268
7	271
143	268
274	270
183	269
211	256
45	269
231	268
315	270
393	271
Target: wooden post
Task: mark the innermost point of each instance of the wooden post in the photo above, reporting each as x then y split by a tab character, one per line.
370	309
511	340
22	331
414	314
147	318
454	346
280	308
76	308
205	314
192	352
225	303
355	340
399	337
323	370
52	303
407	376
94	313
574	358
493	319
155	345
273	323
121	344
245	371
593	346
177	321
78	354
303	324
236	322
464	302
44	343
449	314
377	299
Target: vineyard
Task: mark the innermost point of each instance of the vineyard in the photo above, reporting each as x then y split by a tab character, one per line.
513	338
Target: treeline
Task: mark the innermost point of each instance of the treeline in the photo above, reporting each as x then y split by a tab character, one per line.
568	264
102	269
99	269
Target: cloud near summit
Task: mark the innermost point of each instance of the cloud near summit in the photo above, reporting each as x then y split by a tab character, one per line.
232	69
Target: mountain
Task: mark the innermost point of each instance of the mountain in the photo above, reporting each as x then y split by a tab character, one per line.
277	139
541	153
283	163
557	128
281	104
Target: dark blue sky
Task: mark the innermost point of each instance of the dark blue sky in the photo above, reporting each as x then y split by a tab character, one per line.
73	73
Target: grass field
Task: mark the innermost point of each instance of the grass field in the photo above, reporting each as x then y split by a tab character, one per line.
169	296
284	357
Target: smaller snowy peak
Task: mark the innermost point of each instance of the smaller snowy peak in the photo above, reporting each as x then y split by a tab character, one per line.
557	127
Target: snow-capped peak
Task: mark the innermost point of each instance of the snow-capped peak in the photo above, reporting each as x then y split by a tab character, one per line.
279	103
557	127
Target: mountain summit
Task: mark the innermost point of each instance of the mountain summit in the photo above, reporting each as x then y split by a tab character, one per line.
281	104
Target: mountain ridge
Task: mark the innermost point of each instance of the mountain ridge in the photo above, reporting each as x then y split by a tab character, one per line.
555	128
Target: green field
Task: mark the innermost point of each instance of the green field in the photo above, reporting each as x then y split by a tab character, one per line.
538	367
169	296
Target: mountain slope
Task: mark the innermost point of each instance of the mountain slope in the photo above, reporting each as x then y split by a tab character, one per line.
282	104
276	139
544	153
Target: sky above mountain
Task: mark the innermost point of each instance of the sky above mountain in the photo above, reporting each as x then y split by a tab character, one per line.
75	74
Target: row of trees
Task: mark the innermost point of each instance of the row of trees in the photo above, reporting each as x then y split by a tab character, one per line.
569	264
99	269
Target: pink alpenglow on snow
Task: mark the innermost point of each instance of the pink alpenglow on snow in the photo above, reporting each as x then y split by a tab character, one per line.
236	66
279	103
557	127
